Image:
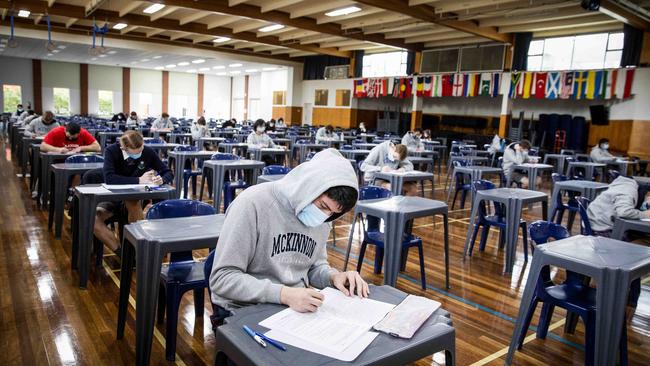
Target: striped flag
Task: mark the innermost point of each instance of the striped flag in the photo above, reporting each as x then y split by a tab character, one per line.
516	84
594	84
486	83
624	83
552	85
476	84
459	85
566	84
437	86
419	86
396	87
528	85
609	84
496	84
359	88
580	84
428	86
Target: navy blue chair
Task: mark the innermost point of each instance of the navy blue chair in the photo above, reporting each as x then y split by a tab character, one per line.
560	207
347	147
182	274
373	236
613	174
463	184
188	172
498	219
275	170
574	295
230	186
154	141
84	158
310	156
585	225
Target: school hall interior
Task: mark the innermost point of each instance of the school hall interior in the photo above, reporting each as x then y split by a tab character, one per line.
205	182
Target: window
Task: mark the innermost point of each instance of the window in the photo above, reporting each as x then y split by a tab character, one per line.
486	58
342	97
144	104
12	97
590	51
61	101
385	64
279	97
105	102
320	97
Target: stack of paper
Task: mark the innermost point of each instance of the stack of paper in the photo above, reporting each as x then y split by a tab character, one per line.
113	187
340	328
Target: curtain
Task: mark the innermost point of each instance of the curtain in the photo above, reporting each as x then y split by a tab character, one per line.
520	54
358	63
632	44
315	65
410	62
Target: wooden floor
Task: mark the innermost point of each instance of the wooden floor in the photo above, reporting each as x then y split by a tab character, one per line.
46	319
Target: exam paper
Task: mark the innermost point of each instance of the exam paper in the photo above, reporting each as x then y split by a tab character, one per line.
126	186
92	190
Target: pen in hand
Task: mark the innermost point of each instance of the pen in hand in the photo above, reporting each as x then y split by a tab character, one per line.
304	282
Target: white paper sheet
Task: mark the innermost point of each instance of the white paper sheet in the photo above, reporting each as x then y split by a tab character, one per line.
408	316
127	186
646	220
92	190
348	355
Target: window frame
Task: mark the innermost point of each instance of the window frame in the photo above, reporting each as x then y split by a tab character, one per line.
54	107
10	109
402	65
99	99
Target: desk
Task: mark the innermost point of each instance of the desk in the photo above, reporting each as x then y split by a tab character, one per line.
151	240
180	138
283	141
643	181
218	170
364	145
304	148
180	157
473	160
395	212
104	135
257	153
623	166
513	199
397	180
212	140
60	178
559	159
355	154
164	147
237	148
367	136
613	265
83	220
436	334
418	161
269	178
621	226
586	188
475	172
532	170
46	159
589	169
25	144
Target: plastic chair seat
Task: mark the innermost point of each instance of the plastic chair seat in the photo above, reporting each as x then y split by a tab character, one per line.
377	238
574	298
185	271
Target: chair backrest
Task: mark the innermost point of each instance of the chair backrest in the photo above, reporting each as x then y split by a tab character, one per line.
310	156
207	270
347	147
585	225
84	158
484	185
370	193
541	231
179	208
224	156
613	174
186	148
154	141
556	177
275	170
303	142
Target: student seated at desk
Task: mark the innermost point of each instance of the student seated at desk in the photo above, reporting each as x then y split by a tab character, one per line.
618	201
200	129
600	153
412	140
42	125
229	124
119	118
272	248
388	157
162	124
134	121
259	139
270	126
515	154
280	123
362	128
24	120
128	161
325	134
18	113
69	139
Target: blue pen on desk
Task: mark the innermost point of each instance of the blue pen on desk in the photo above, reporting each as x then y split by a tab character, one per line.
272	342
255	336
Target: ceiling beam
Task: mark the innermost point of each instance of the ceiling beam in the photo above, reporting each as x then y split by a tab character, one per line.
38	19
167	24
279	17
4	13
70	22
456	42
128	29
163	12
555	14
277	4
450	6
129	7
179	35
222	22
50	2
192	18
426	13
623	14
322	19
312	7
595	19
154	32
199	39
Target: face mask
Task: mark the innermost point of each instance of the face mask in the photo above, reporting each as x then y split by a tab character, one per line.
20	110
272	124
134	156
261	129
605	146
390	157
312	216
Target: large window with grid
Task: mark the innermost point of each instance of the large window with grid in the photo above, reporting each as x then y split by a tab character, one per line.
589	51
385	64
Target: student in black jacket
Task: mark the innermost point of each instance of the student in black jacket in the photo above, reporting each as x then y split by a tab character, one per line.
129	161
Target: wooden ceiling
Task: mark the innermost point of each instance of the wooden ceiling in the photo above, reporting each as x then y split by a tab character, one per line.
379	25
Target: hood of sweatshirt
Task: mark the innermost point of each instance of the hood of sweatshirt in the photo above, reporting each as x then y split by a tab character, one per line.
310	179
623	185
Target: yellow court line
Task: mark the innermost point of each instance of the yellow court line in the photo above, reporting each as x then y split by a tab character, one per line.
156	333
504	351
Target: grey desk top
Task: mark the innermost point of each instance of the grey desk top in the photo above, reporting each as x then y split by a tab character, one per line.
644	181
586	163
580	184
512	193
413	174
402	204
599	252
76	166
534	165
177	229
244	163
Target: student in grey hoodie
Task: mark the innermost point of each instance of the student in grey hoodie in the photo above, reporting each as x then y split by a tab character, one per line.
42	125
326	133
619	200
600	153
260	139
515	154
273	242
388	157
412	140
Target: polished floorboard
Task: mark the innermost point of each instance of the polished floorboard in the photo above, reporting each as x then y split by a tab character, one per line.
45	319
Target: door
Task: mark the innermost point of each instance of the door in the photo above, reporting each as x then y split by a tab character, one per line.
306	115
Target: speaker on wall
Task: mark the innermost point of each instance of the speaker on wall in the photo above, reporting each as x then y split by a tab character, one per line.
599	115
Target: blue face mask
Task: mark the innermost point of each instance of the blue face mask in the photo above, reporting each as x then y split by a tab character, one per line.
312	216
135	156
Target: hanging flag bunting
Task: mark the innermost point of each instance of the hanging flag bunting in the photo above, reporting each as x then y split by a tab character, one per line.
419	86
567	85
447	85
409	88
359	91
528	85
580	84
540	85
627	86
459	85
516	84
428	86
485	84
496	84
552	88
610	84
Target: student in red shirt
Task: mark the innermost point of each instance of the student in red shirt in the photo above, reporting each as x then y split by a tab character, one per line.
70	139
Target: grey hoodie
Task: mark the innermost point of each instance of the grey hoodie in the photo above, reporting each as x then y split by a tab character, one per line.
411	142
37	128
619	200
322	135
599	155
377	159
264	245
511	157
263	140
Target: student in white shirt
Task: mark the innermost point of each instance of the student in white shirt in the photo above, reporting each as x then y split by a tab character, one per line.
259	139
326	134
18	113
280	123
600	153
134	120
200	129
42	125
163	123
412	140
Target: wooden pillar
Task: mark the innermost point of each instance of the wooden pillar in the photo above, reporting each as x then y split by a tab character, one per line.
83	89
126	90
416	112
199	95
165	91
37	86
246	97
353	63
507	59
417	68
645	50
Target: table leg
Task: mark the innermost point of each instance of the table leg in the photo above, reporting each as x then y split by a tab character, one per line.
24	153
610	302
347	251
513	216
545	215
394	229
532	179
148	263
87	208
472	220
560	165
618	232
396	185
217	186
452	183
446	224
554	196
58	202
179	164
126	274
74	228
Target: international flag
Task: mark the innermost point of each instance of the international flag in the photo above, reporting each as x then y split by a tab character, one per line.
528	85
566	84
496	84
540	85
624	83
402	88
419	86
516	84
447	85
428	86
485	83
580	84
436	89
459	85
359	89
609	84
384	87
396	87
409	87
552	85
594	84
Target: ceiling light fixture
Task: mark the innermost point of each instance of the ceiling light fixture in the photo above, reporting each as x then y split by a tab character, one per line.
119	26
184	63
170	66
191	70
198	61
271	28
251	70
221	39
343	11
153	8
145	60
218	67
23	13
269	68
204	69
235	72
235	65
156	57
222	73
159	67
